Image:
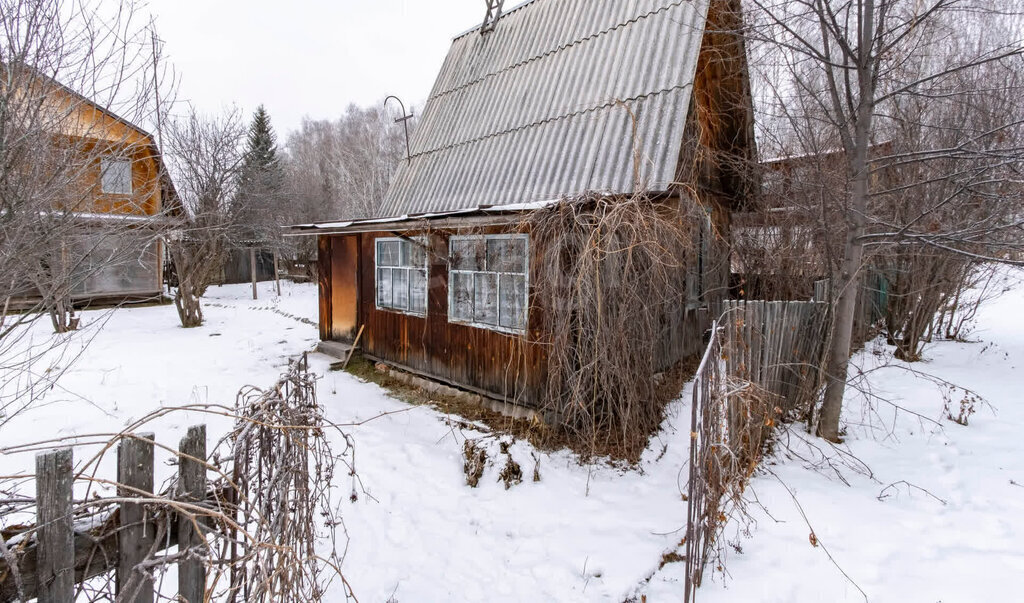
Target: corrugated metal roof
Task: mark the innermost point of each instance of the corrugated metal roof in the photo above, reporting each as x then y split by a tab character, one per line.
537	109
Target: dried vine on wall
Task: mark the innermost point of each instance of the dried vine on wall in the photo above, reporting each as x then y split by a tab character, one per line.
607	274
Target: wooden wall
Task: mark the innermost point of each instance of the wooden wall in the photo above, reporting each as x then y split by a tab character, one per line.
501	365
504	366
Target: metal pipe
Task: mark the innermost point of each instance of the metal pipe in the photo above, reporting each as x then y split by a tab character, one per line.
405	121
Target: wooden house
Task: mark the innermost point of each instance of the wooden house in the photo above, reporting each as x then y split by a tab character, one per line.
116	199
553	100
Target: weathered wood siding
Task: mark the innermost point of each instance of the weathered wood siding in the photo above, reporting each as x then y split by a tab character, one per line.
502	365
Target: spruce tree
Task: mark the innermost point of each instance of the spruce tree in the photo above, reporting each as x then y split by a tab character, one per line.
259	198
261	142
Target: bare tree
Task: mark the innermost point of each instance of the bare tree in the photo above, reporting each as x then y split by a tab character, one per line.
850	75
341	168
71	71
206	154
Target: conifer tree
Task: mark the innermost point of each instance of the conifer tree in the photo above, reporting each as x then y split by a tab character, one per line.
261	142
258	204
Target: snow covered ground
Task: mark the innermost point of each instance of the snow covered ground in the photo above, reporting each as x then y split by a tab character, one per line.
912	507
598	533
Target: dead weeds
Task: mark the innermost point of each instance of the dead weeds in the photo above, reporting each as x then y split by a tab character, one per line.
475	462
541	436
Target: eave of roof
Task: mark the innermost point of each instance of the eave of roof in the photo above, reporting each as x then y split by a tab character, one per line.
491	214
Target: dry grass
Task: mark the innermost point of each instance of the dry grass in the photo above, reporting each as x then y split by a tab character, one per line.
541	435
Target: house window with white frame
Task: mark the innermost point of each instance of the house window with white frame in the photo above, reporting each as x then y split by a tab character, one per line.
488	282
401	273
116	175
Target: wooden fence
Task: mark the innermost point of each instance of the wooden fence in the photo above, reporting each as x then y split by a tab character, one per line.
778	346
760	355
58	554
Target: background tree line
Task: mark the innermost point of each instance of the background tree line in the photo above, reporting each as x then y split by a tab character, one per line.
239	188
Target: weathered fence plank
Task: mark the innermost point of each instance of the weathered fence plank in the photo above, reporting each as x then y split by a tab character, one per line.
51	565
192	489
55	563
773	344
137	531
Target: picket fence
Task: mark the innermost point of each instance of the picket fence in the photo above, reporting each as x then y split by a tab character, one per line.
59	553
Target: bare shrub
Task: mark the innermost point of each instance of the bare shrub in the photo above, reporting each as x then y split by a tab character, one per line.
978	285
207	156
282	473
608	274
475	462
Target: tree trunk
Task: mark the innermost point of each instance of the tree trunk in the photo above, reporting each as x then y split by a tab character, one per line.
62	315
856	227
190	312
842	337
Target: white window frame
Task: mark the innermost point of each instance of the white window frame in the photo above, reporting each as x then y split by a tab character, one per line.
105	164
526	277
409	269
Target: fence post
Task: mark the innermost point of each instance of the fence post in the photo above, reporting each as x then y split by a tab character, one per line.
277	274
252	269
55	561
192	489
137	532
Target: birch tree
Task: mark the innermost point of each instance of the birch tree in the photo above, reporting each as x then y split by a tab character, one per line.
341	168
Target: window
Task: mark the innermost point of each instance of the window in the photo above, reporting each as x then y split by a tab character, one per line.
116	176
488	283
401	266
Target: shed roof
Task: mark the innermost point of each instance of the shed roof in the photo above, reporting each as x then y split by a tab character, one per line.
540	108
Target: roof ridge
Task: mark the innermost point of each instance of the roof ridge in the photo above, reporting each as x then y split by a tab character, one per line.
504	13
558	49
557	118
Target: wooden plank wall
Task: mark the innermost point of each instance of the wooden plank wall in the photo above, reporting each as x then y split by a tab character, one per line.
504	366
498	364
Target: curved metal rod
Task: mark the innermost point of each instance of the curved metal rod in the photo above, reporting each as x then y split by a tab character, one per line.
405	122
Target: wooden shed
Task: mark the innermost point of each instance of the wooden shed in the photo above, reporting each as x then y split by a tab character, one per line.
554	100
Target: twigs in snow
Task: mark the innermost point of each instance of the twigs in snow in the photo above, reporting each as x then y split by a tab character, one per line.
883	494
815	539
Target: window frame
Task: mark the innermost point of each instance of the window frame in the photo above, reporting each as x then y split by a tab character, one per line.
422	240
105	163
525	274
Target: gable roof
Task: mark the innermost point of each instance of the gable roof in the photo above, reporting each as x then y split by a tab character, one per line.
536	110
90	119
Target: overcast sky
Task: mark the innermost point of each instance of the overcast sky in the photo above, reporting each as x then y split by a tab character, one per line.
308	57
